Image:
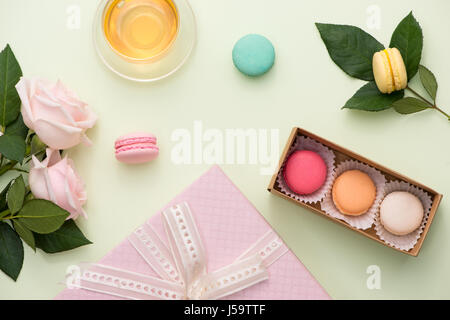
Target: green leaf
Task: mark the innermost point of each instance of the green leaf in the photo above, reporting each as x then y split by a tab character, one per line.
369	98
15	195
11	251
25	234
429	81
17	128
12	147
67	237
408	38
37	145
410	105
42	216
3	204
351	48
10	74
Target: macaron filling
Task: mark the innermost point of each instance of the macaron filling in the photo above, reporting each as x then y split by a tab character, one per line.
390	65
137	146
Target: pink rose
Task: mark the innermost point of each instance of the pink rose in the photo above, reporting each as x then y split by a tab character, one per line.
56	180
54	112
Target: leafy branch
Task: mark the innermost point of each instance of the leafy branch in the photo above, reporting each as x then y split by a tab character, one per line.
352	50
430	84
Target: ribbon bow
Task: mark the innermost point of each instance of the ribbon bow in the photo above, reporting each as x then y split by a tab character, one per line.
182	266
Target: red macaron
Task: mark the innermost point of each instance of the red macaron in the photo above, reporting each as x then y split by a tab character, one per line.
305	172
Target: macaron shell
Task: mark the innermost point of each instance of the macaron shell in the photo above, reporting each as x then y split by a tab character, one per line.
382	72
253	55
401	213
137	154
138	134
137	137
305	172
398	69
353	192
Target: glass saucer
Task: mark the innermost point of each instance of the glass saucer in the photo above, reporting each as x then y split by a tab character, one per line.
166	65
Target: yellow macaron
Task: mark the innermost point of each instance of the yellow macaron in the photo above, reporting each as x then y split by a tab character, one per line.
389	70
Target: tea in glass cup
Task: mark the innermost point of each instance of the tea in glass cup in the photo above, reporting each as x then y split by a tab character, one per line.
140	30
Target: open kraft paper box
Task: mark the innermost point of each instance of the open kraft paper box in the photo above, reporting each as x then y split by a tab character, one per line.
343	154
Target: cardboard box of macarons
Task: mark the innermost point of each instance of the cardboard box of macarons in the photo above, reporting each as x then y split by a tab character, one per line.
354	191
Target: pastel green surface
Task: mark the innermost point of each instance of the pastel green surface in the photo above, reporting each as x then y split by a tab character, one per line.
253	55
305	89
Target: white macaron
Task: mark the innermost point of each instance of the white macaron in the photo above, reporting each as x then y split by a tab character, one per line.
401	213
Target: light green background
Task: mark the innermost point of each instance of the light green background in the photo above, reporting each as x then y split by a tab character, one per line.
304	89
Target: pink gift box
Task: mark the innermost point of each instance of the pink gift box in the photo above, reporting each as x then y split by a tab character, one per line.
228	225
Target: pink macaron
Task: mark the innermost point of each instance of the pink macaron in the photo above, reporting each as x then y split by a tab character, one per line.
136	147
305	172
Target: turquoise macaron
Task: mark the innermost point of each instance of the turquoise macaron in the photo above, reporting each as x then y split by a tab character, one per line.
253	55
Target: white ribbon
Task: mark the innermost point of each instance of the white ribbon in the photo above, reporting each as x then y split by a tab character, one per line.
181	266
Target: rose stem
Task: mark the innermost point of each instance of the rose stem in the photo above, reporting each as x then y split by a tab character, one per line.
19	170
7	167
4	214
432	105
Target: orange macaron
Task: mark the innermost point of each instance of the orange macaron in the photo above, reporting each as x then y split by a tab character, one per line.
353	192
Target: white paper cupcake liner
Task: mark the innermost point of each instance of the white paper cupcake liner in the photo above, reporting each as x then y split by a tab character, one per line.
306	143
365	220
408	241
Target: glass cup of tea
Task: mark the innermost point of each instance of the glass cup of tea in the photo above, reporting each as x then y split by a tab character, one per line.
144	40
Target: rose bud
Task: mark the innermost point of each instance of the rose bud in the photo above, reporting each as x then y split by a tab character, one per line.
55	179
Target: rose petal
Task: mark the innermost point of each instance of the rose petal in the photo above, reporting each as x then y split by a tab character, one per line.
25	89
51	111
56	135
89	121
53	157
37	182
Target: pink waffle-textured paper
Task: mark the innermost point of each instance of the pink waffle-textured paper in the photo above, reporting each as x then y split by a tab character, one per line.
228	224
